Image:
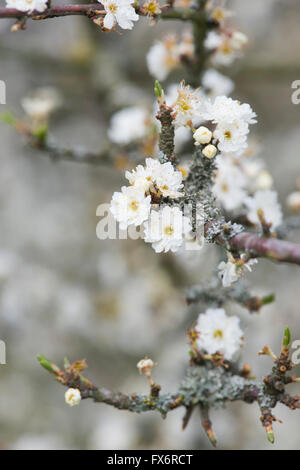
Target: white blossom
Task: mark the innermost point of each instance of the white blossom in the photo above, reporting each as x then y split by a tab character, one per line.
186	46
213	40
128	125
130	206
120	12
219	333
73	396
168	180
231	270
217	84
143	177
225	46
163	57
225	54
166	229
232	137
232	119
238	40
225	110
145	366
187	105
229	186
41	103
265	203
217	12
228	273
27	5
156	176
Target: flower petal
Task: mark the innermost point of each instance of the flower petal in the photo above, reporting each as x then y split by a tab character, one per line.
109	21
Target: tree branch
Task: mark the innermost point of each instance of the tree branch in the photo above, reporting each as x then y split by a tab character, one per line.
89	10
257	247
213	293
208	383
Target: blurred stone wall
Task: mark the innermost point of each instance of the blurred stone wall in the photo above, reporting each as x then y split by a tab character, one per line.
63	292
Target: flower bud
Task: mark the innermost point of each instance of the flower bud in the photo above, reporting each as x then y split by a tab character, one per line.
202	136
73	396
293	201
145	366
264	180
209	151
238	40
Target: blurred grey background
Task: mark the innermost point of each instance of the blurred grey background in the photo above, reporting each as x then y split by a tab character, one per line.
63	292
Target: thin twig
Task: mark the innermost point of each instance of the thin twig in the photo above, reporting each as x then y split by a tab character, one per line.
204	385
89	10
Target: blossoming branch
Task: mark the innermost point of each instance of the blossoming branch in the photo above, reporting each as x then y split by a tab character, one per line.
200	179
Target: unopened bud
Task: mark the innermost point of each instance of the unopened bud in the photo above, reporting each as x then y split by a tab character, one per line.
73	396
202	136
293	201
264	180
209	151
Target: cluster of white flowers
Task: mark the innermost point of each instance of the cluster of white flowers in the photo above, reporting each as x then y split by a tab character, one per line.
165	227
119	12
27	5
233	269
264	206
129	124
256	174
73	396
137	123
229	118
229	186
157	178
232	121
216	84
218	332
165	55
225	46
245	183
238	176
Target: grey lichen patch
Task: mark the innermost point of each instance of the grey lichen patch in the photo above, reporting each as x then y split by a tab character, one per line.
213	293
198	190
162	157
215	386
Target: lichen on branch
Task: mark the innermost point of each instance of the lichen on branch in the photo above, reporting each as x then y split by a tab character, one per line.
209	382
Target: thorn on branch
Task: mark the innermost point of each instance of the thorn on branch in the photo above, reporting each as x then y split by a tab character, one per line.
187	416
19	25
207	425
